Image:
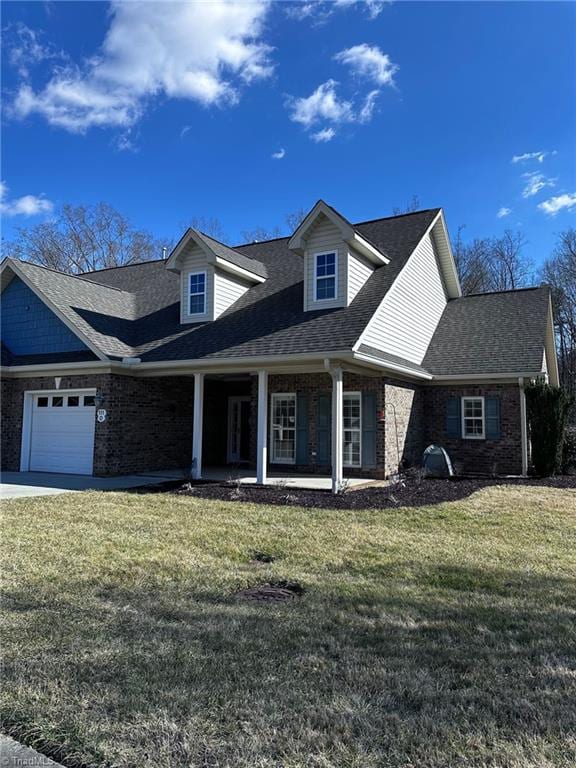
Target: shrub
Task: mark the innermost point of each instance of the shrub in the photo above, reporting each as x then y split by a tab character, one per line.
569	451
547	408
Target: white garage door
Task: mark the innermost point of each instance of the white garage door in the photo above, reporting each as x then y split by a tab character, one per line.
62	433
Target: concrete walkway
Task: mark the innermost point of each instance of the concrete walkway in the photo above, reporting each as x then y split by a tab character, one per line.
25	484
15	755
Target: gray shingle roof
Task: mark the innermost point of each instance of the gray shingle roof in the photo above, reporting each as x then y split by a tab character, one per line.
232	255
269	319
134	311
491	333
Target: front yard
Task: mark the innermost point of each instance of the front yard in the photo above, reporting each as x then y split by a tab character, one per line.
431	637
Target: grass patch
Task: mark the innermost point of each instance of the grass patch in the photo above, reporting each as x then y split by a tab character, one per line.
441	636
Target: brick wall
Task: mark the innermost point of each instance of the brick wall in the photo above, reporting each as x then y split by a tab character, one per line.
503	456
149	424
404	420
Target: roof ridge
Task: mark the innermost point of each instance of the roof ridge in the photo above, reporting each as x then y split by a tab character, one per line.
80	276
121	266
505	290
353	224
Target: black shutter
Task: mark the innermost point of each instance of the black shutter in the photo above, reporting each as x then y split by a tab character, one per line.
324	428
492	417
369	428
453	417
301	428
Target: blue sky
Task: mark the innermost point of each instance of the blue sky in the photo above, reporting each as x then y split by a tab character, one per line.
170	111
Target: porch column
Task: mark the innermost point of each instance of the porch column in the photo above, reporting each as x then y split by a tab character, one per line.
523	427
337	436
262	437
196	470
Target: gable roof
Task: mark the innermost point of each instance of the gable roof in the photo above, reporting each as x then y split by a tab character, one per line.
133	311
503	332
216	251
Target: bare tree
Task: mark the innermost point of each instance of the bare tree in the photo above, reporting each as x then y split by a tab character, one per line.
84	238
209	226
412	205
492	263
292	222
559	272
509	268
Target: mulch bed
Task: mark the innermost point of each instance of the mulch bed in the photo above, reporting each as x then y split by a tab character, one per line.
280	592
409	493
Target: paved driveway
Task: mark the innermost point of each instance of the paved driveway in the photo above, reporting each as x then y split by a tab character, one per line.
23	484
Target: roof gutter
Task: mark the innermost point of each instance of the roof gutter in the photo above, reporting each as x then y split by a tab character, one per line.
404	370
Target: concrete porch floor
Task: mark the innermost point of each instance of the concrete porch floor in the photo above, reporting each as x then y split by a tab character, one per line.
26	484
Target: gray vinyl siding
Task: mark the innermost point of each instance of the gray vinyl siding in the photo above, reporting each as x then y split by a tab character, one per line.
195	261
324	237
406	320
359	270
227	290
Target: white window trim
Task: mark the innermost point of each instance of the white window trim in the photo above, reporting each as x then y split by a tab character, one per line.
190	276
326	253
464	400
355	429
279	396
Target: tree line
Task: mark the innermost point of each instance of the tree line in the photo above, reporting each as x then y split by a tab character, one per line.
86	238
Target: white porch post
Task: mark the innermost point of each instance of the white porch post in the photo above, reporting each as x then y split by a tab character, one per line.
262	446
337	436
196	470
523	427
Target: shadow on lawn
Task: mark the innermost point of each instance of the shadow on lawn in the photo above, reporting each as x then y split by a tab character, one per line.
453	666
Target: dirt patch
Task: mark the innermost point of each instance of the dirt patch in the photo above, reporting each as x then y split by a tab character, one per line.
262	557
408	493
278	592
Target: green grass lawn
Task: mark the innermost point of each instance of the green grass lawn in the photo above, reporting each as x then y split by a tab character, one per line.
441	636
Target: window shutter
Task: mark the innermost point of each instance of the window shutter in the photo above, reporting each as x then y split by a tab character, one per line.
453	417
324	428
301	428
369	426
492	417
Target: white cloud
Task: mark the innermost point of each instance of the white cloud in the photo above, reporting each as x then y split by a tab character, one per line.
27	205
535	182
279	155
322	104
184	130
321	10
369	62
326	134
539	156
25	48
503	212
203	52
554	205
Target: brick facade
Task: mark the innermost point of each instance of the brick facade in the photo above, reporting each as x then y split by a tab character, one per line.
149	424
499	457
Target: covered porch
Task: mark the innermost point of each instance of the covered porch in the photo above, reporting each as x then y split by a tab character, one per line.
295	428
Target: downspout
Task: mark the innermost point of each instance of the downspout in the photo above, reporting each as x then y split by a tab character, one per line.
523	427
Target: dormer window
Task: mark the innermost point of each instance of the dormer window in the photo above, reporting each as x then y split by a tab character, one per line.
197	293
325	276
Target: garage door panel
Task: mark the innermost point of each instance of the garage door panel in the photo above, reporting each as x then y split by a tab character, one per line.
62	436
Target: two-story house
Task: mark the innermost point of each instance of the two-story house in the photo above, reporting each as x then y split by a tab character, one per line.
343	349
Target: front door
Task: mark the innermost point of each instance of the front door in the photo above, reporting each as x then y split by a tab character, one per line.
238	429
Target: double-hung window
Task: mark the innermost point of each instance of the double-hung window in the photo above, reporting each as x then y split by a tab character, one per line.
473	419
325	276
197	293
283	428
352	428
